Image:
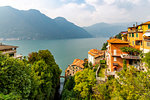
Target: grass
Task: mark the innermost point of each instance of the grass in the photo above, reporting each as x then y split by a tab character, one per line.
102	72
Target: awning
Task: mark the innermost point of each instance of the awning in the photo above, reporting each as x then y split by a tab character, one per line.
146	34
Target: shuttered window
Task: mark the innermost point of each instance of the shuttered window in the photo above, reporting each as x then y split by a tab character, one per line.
148	43
132	34
148	26
136	34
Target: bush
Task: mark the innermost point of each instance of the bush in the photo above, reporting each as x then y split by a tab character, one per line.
102	61
14	77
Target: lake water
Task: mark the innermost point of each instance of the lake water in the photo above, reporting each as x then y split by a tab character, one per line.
64	51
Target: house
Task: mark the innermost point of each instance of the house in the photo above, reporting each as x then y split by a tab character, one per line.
138	36
115	56
94	56
77	65
11	50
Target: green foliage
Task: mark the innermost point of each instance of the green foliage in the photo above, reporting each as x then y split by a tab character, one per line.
84	81
14	77
146	59
104	47
102	61
102	70
130	85
68	92
36	78
124	65
11	96
118	36
104	90
86	63
42	80
45	75
132	51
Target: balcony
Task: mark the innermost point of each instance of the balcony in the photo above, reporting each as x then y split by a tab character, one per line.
132	31
9	52
140	30
126	56
136	30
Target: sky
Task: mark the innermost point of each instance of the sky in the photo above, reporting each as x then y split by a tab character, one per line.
88	12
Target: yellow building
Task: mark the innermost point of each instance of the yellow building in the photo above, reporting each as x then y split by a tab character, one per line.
139	36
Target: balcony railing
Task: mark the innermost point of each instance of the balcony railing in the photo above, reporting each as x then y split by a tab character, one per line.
132	31
140	30
137	30
130	56
9	52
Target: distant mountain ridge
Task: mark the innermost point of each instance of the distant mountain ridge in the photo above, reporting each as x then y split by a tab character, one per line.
32	24
107	30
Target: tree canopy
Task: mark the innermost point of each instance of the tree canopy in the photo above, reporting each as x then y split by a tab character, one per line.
36	78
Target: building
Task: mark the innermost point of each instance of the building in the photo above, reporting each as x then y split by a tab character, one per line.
11	50
139	36
77	65
94	56
124	35
115	57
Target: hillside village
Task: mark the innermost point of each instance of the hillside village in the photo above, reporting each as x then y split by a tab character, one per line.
125	51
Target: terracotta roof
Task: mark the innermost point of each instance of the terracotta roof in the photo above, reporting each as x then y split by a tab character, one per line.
4	47
78	62
146	23
115	40
96	53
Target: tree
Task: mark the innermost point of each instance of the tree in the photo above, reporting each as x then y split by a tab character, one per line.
124	64
146	59
41	81
68	93
14	78
84	81
118	36
130	85
104	47
45	74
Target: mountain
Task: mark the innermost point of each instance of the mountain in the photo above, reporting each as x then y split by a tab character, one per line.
32	24
107	30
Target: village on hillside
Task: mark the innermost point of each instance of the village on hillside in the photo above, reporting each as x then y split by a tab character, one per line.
118	53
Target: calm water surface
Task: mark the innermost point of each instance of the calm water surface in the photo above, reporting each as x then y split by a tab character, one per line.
64	51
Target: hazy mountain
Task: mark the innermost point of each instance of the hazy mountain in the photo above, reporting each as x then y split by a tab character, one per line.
32	24
107	30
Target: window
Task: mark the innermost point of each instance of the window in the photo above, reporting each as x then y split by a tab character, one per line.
115	58
137	42
115	52
132	34
130	61
148	26
141	43
136	34
148	43
129	34
132	42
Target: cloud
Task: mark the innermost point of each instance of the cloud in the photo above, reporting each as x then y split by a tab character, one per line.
88	12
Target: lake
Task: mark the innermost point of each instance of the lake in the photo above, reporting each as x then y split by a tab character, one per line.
64	50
